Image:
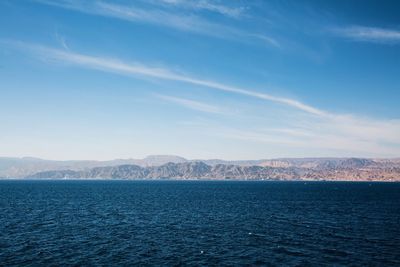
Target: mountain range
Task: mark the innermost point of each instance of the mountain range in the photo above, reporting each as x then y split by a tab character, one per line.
175	167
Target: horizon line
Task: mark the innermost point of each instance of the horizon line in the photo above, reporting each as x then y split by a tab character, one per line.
197	159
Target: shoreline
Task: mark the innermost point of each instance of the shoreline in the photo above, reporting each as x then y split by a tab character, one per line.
195	180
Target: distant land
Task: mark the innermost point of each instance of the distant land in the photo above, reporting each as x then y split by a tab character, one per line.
179	168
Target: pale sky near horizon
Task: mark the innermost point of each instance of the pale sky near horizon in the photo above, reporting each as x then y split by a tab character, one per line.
199	79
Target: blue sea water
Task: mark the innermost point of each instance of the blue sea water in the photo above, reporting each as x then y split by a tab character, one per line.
172	223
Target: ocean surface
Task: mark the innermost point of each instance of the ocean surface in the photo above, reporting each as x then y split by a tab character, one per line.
173	223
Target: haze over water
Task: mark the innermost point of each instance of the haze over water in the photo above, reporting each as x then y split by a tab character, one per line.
199	223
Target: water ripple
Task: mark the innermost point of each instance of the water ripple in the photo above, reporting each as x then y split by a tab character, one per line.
198	223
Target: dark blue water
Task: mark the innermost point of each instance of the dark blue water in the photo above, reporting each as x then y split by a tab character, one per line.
199	223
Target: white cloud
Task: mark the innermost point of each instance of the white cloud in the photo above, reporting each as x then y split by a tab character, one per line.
61	39
206	5
189	23
325	135
306	127
192	104
267	39
170	19
134	68
133	13
370	34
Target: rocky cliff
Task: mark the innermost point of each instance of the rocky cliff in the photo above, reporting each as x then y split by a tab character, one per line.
332	169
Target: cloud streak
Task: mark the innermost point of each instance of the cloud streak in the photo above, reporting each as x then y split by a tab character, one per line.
234	12
369	34
160	17
350	137
309	127
192	104
139	69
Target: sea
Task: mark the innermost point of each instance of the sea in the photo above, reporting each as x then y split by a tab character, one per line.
198	223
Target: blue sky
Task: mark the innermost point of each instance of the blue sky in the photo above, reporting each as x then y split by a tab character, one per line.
201	79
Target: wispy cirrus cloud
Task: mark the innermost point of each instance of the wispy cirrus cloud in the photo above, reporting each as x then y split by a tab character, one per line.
331	144
308	126
140	69
166	18
335	136
193	104
234	12
61	39
369	34
135	14
163	18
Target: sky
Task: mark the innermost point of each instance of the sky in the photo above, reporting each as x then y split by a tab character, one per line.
200	79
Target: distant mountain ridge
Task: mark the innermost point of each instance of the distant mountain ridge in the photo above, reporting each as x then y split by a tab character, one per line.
163	167
21	167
